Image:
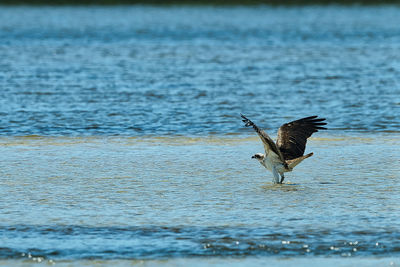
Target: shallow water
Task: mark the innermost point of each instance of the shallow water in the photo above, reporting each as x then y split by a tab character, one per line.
121	142
216	261
156	198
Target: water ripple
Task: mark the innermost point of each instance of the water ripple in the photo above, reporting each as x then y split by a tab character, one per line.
163	72
153	242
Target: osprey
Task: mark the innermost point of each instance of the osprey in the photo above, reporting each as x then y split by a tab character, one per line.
290	145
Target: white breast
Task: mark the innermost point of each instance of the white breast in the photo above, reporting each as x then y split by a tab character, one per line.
272	160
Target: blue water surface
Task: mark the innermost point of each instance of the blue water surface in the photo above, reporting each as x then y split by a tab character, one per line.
145	70
121	138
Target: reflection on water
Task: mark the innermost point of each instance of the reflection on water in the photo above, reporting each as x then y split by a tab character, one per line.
287	187
109	198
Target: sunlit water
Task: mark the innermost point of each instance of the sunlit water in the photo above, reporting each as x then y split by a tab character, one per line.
132	198
122	143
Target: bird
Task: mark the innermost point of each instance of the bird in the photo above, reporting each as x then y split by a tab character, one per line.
288	151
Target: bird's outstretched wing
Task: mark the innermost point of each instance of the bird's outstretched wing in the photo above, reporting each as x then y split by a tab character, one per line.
292	136
269	144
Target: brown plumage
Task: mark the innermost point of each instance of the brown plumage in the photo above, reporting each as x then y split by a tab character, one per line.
267	141
292	136
289	149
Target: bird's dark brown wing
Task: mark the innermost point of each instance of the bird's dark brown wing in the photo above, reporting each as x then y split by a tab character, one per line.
268	143
292	136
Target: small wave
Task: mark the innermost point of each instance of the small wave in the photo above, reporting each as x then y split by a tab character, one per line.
157	242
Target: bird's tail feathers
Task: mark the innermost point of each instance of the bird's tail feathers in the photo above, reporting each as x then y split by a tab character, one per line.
294	162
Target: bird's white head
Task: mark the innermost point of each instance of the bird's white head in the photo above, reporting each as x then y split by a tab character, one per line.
259	156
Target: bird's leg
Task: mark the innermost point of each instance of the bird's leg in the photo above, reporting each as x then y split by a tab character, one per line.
282	178
276	175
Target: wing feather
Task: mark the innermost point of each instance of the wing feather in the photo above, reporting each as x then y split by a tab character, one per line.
292	136
268	143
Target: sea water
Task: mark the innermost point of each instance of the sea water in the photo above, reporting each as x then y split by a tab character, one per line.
121	140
